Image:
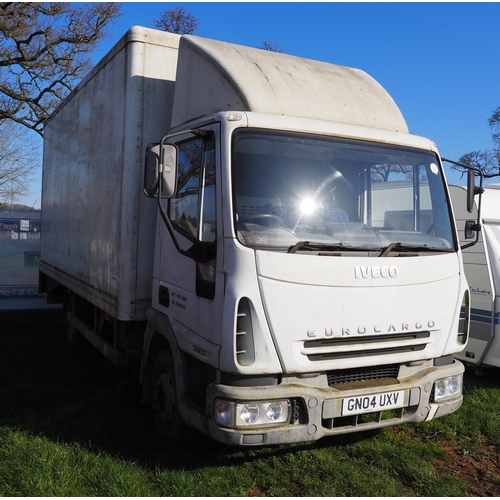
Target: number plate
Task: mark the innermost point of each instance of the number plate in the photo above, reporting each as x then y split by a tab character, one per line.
372	403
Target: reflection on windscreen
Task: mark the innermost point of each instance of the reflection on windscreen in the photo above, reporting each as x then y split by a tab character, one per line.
294	187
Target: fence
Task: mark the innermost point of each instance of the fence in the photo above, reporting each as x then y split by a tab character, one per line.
19	259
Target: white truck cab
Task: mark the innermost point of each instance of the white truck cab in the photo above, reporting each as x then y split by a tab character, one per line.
303	261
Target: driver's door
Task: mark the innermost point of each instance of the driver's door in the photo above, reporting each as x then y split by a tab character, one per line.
188	290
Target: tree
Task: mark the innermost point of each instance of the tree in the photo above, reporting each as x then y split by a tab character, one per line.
271	47
44	53
19	159
488	161
178	21
385	171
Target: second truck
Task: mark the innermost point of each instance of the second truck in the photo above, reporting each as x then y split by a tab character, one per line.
482	267
262	233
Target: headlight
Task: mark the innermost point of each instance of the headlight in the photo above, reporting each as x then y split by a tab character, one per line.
251	414
447	388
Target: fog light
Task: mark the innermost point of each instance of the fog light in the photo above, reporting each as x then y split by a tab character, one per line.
447	388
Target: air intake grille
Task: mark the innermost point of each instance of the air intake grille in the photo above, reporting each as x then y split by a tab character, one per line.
245	351
362	374
365	346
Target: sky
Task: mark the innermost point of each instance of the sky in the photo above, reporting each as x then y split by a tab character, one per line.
440	62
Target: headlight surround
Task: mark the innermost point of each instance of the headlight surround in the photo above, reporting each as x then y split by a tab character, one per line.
251	414
447	388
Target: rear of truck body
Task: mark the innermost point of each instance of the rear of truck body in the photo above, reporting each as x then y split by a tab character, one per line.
303	280
482	268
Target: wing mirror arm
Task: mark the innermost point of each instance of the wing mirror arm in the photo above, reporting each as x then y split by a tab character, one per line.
198	251
160	181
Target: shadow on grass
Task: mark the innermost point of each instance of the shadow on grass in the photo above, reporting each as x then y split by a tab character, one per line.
48	390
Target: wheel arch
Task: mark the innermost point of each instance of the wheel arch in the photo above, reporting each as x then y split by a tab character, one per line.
160	336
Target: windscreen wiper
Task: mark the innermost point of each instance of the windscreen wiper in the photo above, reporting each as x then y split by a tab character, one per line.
329	247
406	247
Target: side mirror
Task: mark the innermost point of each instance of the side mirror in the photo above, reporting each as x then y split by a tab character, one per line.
471	190
470	229
151	170
160	159
169	170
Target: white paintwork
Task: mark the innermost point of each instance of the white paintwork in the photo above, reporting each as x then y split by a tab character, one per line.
97	224
218	76
482	267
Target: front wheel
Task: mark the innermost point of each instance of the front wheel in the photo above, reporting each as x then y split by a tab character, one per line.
164	399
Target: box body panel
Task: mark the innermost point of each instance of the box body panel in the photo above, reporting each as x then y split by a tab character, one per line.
98	227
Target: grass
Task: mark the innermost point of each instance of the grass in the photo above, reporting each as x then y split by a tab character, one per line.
71	425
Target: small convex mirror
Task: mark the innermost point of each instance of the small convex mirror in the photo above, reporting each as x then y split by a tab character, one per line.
470	229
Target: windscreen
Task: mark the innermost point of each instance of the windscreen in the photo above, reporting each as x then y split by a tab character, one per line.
291	188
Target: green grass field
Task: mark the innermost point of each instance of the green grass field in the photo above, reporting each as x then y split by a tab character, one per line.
72	425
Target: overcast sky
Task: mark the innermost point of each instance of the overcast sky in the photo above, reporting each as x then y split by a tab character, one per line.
439	61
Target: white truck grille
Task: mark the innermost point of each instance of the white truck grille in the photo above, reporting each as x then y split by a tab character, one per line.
365	346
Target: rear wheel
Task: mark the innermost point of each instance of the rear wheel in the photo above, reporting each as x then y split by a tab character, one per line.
72	334
164	399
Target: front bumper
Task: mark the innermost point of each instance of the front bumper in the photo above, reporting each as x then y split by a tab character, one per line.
320	406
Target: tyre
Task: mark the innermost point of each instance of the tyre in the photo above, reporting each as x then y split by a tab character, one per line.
164	399
72	335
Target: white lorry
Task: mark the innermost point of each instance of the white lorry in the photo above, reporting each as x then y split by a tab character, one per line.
270	294
482	268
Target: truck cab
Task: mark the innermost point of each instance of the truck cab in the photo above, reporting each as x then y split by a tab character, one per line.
333	261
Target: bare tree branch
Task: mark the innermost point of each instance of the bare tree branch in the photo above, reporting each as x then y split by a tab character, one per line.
271	47
177	20
19	160
488	161
44	51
